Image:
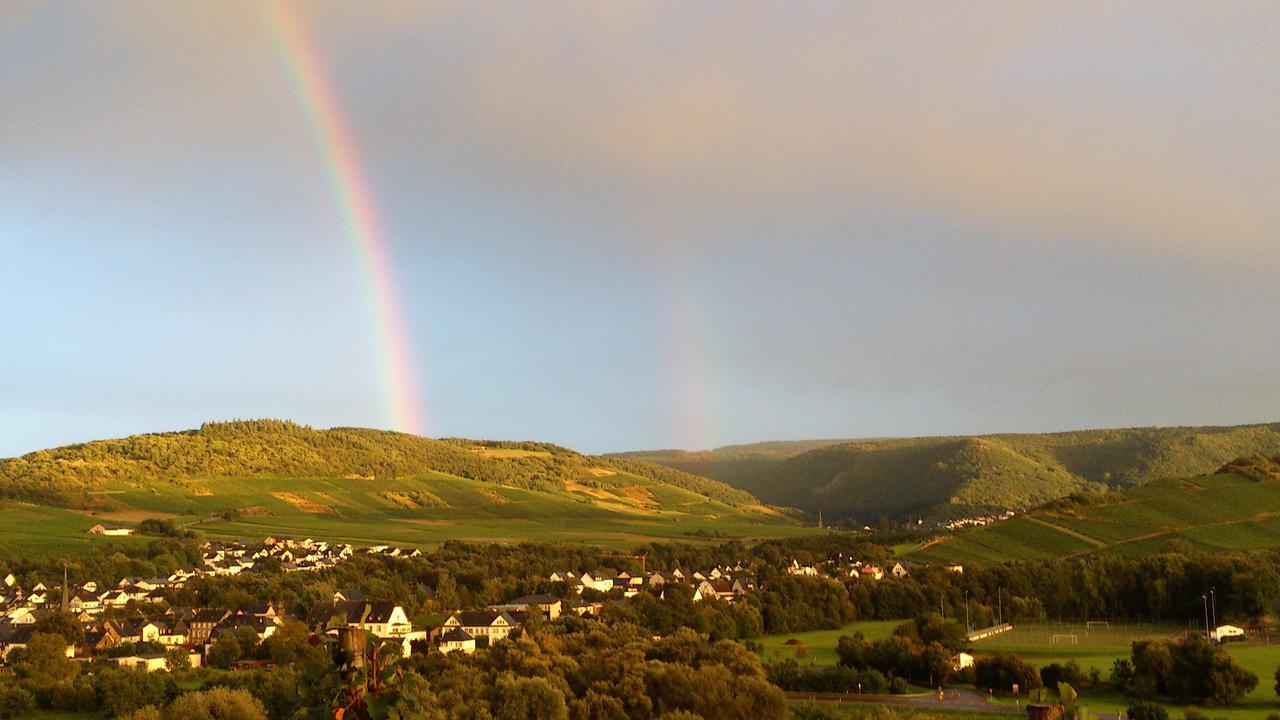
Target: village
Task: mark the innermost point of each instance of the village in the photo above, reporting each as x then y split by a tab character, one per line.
133	623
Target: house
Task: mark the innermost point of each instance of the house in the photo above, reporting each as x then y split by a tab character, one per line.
114	599
960	661
601	580
263	627
548	605
111	531
202	621
382	618
795	568
265	610
720	589
136	630
103	638
487	626
899	570
173	632
1227	633
150	662
457	640
349	596
956	568
583	608
85	601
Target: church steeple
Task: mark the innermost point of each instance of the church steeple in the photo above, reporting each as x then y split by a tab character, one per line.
66	593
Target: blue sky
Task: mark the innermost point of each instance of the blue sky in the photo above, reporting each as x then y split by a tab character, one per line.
645	225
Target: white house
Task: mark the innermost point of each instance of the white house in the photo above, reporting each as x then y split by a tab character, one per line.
457	640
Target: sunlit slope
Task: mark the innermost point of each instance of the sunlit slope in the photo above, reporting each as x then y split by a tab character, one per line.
1224	511
268	477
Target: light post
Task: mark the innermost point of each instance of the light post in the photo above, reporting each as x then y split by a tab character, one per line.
1213	605
967	626
1204	600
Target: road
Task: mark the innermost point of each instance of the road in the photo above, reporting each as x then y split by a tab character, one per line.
954	699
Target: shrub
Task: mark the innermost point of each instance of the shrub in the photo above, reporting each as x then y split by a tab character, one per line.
1147	711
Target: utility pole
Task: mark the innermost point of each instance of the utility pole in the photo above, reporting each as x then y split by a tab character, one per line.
1204	599
1213	605
1000	605
967	626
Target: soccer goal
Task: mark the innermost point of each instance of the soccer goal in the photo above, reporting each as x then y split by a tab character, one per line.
1064	639
1098	623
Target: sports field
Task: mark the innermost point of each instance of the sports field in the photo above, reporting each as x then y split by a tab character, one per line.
1100	645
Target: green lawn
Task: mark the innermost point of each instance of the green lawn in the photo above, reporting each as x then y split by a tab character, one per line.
820	645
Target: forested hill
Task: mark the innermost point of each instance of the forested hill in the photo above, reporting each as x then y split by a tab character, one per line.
281	449
863	480
732	464
1236	508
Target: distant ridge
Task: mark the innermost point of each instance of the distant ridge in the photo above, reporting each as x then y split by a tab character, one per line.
863	480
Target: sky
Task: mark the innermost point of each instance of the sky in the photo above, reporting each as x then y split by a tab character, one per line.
625	225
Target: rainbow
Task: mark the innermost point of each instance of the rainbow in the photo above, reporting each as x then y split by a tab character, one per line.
320	103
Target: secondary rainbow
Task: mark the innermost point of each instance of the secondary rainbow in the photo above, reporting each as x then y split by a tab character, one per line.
320	103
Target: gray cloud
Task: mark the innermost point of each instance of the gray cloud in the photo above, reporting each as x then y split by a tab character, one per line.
884	217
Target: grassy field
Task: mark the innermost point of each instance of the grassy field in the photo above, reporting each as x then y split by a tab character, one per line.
820	645
1100	646
420	511
1212	513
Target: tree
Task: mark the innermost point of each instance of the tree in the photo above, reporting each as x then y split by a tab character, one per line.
1002	671
61	623
291	641
16	702
517	698
177	659
224	651
45	662
216	704
415	700
852	651
1191	673
122	691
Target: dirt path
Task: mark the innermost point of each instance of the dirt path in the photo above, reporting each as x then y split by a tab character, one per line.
1067	531
954	699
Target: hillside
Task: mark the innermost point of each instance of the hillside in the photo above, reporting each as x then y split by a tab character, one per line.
732	464
1236	508
263	477
863	480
